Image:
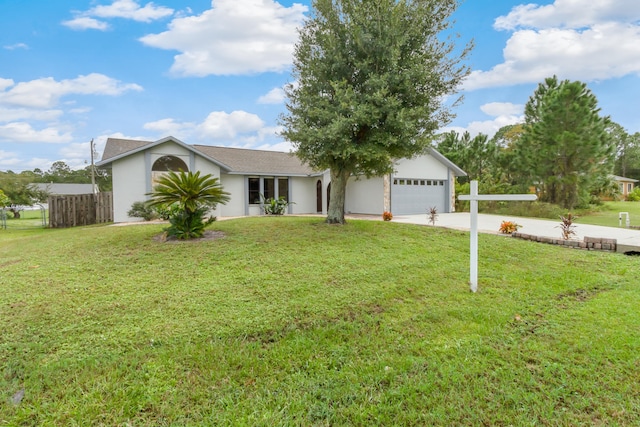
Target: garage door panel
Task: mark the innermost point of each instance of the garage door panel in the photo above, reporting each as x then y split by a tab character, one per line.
417	196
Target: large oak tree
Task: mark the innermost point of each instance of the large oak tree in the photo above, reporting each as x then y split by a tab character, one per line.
371	78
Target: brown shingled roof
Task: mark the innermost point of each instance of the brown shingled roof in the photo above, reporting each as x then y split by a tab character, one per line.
242	160
238	160
116	146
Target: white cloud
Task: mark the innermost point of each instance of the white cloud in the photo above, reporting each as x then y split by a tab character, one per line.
496	109
6	83
85	23
274	96
594	40
570	14
24	133
13	114
601	52
284	146
81	110
4	155
46	92
503	113
126	9
130	9
77	154
170	127
16	46
238	128
233	37
221	125
8	160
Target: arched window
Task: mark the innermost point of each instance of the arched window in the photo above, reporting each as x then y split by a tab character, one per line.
165	164
169	163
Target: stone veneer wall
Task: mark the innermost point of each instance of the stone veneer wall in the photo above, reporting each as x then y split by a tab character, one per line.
589	243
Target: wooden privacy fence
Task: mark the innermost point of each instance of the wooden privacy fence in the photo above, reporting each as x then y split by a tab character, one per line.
80	209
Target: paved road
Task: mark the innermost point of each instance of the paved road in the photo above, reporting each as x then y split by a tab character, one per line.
538	227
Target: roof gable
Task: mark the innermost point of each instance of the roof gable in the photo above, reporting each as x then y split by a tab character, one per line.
119	148
448	163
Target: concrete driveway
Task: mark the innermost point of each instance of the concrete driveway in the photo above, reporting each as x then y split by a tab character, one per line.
628	239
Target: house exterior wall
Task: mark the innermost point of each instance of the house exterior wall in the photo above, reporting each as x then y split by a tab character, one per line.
233	184
303	194
172	149
421	167
206	167
129	185
132	180
626	187
365	196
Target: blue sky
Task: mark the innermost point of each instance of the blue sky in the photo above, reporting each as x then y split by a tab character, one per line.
211	72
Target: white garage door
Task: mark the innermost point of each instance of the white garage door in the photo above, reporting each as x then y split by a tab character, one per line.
417	196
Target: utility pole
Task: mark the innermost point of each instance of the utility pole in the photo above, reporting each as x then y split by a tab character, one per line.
93	170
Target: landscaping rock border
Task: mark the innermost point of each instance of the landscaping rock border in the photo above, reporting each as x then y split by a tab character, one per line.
589	243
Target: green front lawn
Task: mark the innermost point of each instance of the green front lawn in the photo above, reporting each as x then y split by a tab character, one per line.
609	216
289	321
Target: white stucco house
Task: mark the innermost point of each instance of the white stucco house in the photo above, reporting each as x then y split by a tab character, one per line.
415	185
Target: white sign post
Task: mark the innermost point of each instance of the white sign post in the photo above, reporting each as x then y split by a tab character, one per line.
474	197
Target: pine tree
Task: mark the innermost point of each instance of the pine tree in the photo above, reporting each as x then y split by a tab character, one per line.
564	146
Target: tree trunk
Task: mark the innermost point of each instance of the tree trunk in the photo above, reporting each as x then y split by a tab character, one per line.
335	213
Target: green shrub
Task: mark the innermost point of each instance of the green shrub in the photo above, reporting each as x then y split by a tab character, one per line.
166	211
188	225
142	210
193	196
273	206
634	196
4	200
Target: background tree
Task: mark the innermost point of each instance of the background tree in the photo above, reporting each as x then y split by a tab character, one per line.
564	145
4	200
477	156
17	188
507	168
60	172
194	195
371	77
627	151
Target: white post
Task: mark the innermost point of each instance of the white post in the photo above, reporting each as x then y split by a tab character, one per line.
473	238
620	219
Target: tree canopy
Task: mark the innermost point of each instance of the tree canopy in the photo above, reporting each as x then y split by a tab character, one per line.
627	151
19	192
370	80
477	156
564	147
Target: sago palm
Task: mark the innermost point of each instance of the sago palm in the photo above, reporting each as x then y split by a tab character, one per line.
193	194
